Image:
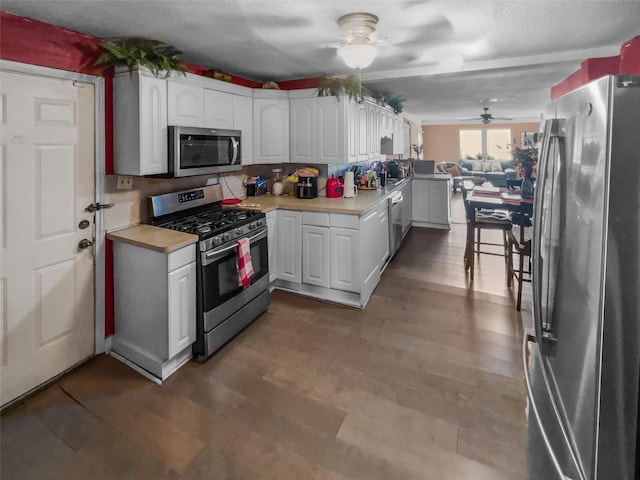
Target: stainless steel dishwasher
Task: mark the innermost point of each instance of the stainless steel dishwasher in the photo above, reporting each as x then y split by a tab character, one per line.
395	222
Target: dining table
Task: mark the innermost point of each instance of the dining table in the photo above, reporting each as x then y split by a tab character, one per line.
487	197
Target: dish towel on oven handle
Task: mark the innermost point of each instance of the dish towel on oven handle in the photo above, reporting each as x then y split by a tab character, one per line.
245	267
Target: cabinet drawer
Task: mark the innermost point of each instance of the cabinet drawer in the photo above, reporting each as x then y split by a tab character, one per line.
344	221
181	257
319	219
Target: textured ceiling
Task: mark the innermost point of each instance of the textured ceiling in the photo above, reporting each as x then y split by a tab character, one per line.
511	52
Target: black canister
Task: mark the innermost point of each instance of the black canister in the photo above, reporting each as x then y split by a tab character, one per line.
383	178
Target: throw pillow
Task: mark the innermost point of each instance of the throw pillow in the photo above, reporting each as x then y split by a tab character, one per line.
485	167
475	165
495	167
454	171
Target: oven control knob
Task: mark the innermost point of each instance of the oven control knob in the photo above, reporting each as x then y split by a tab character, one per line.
252	226
217	240
226	237
239	231
260	223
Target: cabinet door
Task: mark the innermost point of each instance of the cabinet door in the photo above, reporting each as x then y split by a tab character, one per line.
289	225
153	126
439	202
345	259
407	208
363	131
374	131
243	121
140	124
369	252
315	255
186	104
303	129
218	109
272	245
383	235
420	201
182	308
271	130
331	130
352	130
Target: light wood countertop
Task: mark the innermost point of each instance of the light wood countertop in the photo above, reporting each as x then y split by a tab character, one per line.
159	239
366	200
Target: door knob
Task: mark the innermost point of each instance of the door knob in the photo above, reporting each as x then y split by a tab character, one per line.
85	243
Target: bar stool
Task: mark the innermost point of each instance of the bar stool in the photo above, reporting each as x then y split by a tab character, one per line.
483	219
519	241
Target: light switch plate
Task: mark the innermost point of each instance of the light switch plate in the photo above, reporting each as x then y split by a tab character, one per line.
124	182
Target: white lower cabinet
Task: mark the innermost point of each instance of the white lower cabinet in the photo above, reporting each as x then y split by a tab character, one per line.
369	253
431	202
345	261
155	307
272	244
315	255
383	234
331	256
289	246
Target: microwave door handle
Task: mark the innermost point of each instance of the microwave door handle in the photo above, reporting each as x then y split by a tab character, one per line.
233	144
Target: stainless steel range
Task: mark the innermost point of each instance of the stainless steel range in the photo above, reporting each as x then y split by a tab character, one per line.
224	307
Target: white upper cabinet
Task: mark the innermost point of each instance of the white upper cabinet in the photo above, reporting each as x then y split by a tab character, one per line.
323	129
303	130
271	127
243	121
218	109
140	123
186	104
362	113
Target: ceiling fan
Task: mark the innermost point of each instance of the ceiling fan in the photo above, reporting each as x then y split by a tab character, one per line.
486	117
361	41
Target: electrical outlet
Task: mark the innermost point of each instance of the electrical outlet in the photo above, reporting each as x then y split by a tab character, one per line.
125	182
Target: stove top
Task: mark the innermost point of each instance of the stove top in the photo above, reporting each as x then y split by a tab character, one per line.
209	223
200	212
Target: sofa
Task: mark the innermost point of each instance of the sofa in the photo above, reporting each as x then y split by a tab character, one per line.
495	171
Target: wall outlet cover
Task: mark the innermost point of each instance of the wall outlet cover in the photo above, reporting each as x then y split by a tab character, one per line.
124	182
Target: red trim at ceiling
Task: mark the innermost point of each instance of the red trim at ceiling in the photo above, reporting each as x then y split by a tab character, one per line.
627	63
302	83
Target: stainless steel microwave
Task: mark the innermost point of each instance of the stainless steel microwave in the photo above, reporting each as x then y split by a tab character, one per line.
203	151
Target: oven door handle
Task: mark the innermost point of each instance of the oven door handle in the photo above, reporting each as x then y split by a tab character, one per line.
213	256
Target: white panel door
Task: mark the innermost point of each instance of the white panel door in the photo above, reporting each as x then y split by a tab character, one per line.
47	281
186	104
218	109
182	308
243	121
289	254
315	255
345	255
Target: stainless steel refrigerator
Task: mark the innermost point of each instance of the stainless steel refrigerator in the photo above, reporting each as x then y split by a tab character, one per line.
583	365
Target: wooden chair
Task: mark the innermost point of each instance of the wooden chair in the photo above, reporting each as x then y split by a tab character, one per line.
519	243
484	219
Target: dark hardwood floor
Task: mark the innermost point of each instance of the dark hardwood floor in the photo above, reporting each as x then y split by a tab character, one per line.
424	383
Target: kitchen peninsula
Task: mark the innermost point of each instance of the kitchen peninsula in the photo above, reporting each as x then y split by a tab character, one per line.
333	249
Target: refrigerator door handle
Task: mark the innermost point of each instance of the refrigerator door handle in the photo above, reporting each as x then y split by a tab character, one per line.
543	329
534	407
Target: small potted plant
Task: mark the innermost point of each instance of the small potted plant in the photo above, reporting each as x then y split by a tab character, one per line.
161	59
418	149
349	86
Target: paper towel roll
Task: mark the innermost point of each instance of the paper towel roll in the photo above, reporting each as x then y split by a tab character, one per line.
349	190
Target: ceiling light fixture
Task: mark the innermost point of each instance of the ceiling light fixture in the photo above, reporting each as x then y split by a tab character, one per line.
358	48
358	55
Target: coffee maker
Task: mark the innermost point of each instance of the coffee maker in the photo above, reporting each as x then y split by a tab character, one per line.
307	187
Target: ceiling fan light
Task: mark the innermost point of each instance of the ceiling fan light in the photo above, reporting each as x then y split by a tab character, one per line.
358	55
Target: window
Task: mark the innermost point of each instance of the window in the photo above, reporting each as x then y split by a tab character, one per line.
489	143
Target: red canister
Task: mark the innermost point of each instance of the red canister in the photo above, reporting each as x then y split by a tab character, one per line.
334	188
